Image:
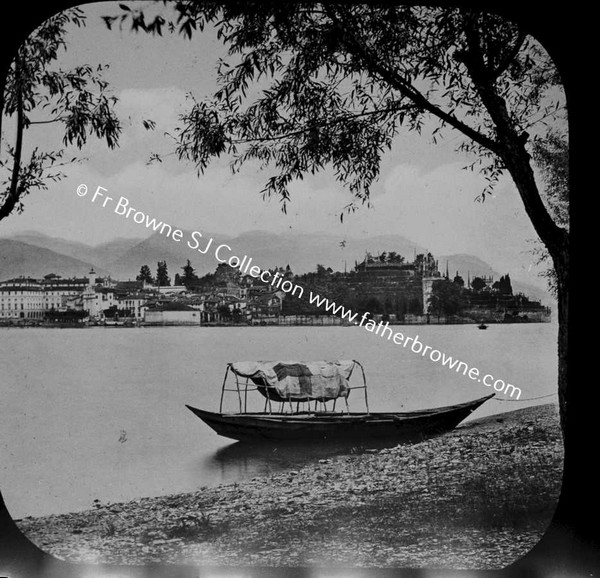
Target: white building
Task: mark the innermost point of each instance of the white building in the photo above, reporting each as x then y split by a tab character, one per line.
172	314
97	299
171	289
134	303
22	298
60	292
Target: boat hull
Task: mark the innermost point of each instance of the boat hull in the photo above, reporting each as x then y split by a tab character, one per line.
359	427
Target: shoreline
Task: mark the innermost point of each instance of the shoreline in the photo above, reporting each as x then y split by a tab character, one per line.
265	324
480	496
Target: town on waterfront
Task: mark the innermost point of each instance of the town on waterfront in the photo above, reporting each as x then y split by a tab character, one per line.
385	287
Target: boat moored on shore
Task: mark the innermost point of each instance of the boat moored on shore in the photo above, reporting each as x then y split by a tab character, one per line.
296	397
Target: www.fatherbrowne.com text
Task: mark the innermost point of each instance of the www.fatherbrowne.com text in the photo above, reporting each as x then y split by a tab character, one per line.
385	331
223	253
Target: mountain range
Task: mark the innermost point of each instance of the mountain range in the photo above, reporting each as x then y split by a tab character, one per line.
34	254
22	259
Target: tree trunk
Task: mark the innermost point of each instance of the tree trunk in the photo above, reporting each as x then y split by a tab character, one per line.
11	198
561	265
556	241
569	544
3	80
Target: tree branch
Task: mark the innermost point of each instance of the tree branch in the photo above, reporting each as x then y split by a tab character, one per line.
373	63
3	81
330	122
13	195
512	54
57	119
511	144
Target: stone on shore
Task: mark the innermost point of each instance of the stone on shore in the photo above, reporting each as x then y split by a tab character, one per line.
479	497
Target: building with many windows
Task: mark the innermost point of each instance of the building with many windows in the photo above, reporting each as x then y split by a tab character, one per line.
22	298
133	305
60	292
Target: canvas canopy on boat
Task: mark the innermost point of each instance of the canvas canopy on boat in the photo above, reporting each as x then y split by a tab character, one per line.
298	381
294	383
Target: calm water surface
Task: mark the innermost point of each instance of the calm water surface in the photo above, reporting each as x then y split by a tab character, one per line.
100	413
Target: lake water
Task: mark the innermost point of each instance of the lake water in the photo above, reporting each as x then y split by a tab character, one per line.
99	413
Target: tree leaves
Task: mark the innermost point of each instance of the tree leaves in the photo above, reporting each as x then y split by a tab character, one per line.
78	98
308	86
33	174
551	154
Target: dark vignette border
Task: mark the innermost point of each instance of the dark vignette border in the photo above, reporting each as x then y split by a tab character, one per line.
570	547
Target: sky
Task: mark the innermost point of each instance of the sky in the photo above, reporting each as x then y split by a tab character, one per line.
423	192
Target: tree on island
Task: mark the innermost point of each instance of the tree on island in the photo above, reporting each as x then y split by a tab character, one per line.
373	306
478	284
189	276
503	285
394	257
113	312
329	99
145	275
224	312
33	93
162	274
446	298
225	274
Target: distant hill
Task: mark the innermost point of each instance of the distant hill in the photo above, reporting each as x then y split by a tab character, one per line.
100	254
301	251
469	265
465	264
18	258
160	248
122	258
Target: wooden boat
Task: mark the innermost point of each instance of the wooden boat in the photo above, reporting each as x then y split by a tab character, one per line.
482	326
286	383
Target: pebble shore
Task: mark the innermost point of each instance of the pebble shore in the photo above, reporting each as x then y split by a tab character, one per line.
478	497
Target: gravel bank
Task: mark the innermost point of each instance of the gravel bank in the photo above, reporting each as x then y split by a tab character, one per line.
478	497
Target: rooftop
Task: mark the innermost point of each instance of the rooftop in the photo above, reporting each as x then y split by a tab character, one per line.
171	307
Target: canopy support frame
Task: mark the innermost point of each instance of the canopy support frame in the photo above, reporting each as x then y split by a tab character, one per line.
243	406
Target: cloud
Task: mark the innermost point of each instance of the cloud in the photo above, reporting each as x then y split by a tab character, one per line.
438	208
162	105
135	105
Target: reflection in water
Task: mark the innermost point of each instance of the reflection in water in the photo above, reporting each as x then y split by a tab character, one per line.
240	461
